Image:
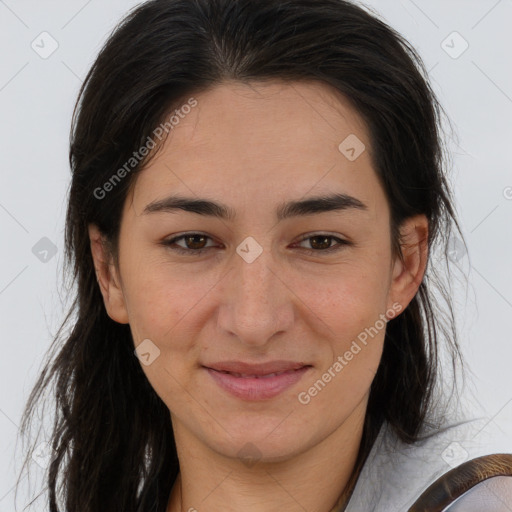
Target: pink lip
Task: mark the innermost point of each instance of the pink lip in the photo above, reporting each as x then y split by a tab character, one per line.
256	382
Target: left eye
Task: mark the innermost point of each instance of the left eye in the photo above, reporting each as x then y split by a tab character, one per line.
195	243
320	242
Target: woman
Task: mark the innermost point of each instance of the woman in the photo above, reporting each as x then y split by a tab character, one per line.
258	187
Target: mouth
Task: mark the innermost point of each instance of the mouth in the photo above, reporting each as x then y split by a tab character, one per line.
255	376
256	382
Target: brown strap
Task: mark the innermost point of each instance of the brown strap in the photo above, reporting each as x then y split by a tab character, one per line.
455	483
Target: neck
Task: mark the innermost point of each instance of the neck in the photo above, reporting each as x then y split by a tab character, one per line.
319	479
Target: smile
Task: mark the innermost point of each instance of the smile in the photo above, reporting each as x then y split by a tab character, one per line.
257	386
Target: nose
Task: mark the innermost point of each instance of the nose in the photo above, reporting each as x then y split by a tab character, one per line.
256	302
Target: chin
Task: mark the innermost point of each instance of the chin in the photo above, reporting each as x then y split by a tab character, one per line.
271	438
257	449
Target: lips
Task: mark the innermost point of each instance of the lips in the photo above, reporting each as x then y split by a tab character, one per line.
242	369
255	376
254	382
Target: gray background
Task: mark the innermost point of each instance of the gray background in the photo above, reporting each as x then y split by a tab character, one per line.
36	100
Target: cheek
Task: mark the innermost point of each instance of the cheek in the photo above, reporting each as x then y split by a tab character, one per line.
161	302
354	309
162	309
353	304
350	298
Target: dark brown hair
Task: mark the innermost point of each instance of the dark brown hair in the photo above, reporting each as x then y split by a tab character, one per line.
112	434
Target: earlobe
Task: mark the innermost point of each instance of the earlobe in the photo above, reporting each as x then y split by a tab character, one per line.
409	268
108	280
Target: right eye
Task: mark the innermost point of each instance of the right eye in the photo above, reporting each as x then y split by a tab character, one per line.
195	244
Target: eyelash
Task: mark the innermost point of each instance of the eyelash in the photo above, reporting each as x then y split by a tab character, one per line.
196	252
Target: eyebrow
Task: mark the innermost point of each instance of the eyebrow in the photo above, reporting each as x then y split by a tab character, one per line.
309	206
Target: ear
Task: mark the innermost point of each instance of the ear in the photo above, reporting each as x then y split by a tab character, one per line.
108	279
409	267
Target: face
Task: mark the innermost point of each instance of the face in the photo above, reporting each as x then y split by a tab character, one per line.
223	301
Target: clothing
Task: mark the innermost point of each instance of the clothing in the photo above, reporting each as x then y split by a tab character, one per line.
494	495
460	487
396	474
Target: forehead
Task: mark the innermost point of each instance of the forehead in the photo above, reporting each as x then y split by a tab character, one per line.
261	142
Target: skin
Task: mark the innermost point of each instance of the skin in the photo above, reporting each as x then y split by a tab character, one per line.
253	147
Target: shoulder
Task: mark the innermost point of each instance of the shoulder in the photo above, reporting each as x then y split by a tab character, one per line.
493	495
396	475
483	483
